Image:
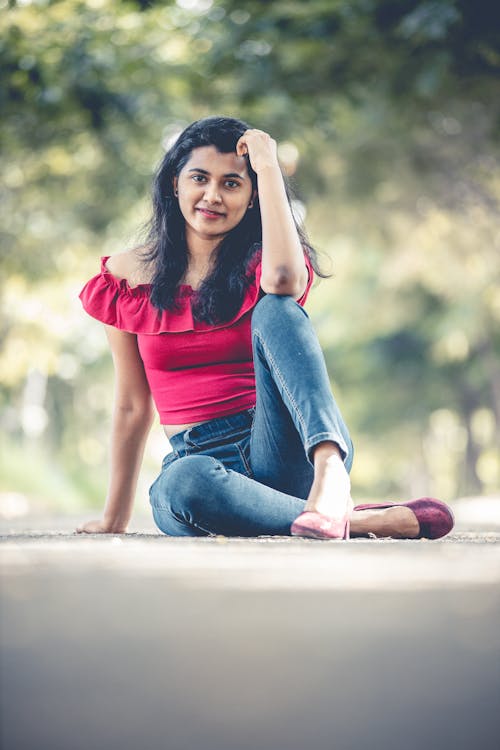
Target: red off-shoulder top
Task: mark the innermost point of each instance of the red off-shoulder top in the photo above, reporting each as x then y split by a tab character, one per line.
195	371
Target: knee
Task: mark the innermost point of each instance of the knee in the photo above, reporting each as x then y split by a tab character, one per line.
273	307
184	483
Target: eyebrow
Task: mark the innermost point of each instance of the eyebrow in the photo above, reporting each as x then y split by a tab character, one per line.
229	174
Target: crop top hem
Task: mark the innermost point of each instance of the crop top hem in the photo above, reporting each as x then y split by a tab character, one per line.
207	412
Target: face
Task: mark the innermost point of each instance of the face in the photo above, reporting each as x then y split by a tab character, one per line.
214	193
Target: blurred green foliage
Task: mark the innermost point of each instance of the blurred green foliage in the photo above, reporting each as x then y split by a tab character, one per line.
387	117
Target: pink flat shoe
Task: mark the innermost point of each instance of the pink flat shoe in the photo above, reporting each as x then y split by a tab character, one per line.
317	526
434	517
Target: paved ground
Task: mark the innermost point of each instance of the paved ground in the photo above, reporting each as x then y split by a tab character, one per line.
141	642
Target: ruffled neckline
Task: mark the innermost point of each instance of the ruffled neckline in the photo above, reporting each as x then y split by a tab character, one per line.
123	284
114	302
141	289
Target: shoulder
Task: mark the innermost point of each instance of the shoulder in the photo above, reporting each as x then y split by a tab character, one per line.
132	266
119	294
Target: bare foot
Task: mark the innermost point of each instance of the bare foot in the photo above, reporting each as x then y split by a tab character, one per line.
396	522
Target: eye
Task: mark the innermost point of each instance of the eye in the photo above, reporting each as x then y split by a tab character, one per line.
198	178
232	184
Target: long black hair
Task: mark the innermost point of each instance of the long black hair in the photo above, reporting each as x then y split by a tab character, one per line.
221	294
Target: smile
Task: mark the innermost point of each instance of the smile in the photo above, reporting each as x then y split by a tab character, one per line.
210	214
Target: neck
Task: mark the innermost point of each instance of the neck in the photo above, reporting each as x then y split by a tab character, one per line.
200	248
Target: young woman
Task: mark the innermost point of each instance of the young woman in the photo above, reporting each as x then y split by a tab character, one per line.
207	320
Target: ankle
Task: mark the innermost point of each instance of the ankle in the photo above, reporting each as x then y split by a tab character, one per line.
326	451
338	508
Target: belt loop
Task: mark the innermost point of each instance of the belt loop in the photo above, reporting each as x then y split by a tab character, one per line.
186	439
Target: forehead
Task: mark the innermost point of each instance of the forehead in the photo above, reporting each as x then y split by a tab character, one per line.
211	160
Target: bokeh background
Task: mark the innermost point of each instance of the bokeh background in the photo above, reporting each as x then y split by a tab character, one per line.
386	114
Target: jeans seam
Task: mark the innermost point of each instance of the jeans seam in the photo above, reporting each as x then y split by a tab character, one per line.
161	505
182	521
280	377
248	469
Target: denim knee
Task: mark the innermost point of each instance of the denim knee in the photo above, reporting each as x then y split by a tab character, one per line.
183	484
273	307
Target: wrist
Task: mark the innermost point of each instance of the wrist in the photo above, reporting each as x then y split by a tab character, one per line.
116	530
114	525
269	167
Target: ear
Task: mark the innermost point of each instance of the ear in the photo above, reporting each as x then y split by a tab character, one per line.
175	182
252	199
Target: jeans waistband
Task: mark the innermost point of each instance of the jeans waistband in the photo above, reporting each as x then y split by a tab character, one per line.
214	430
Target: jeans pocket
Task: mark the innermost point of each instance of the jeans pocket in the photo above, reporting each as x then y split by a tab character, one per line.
209	442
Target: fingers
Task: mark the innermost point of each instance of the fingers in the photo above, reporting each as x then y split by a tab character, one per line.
100	527
241	147
253	135
91	527
259	148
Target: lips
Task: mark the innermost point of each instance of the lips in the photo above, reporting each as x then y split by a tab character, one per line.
210	214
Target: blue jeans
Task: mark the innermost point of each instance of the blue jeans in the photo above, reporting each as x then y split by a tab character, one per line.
250	473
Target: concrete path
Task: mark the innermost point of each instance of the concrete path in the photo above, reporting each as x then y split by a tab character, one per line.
141	641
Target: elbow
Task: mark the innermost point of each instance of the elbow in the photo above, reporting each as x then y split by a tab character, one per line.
136	414
285	282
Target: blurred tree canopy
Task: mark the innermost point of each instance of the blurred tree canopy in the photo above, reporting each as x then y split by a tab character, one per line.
386	113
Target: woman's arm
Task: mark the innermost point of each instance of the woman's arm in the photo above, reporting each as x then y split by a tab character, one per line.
132	418
283	267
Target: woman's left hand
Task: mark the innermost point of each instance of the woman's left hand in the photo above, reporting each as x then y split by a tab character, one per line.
260	147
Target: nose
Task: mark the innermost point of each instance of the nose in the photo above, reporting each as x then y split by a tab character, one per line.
212	194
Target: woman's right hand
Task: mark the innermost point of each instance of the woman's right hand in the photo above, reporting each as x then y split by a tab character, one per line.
99	527
132	419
